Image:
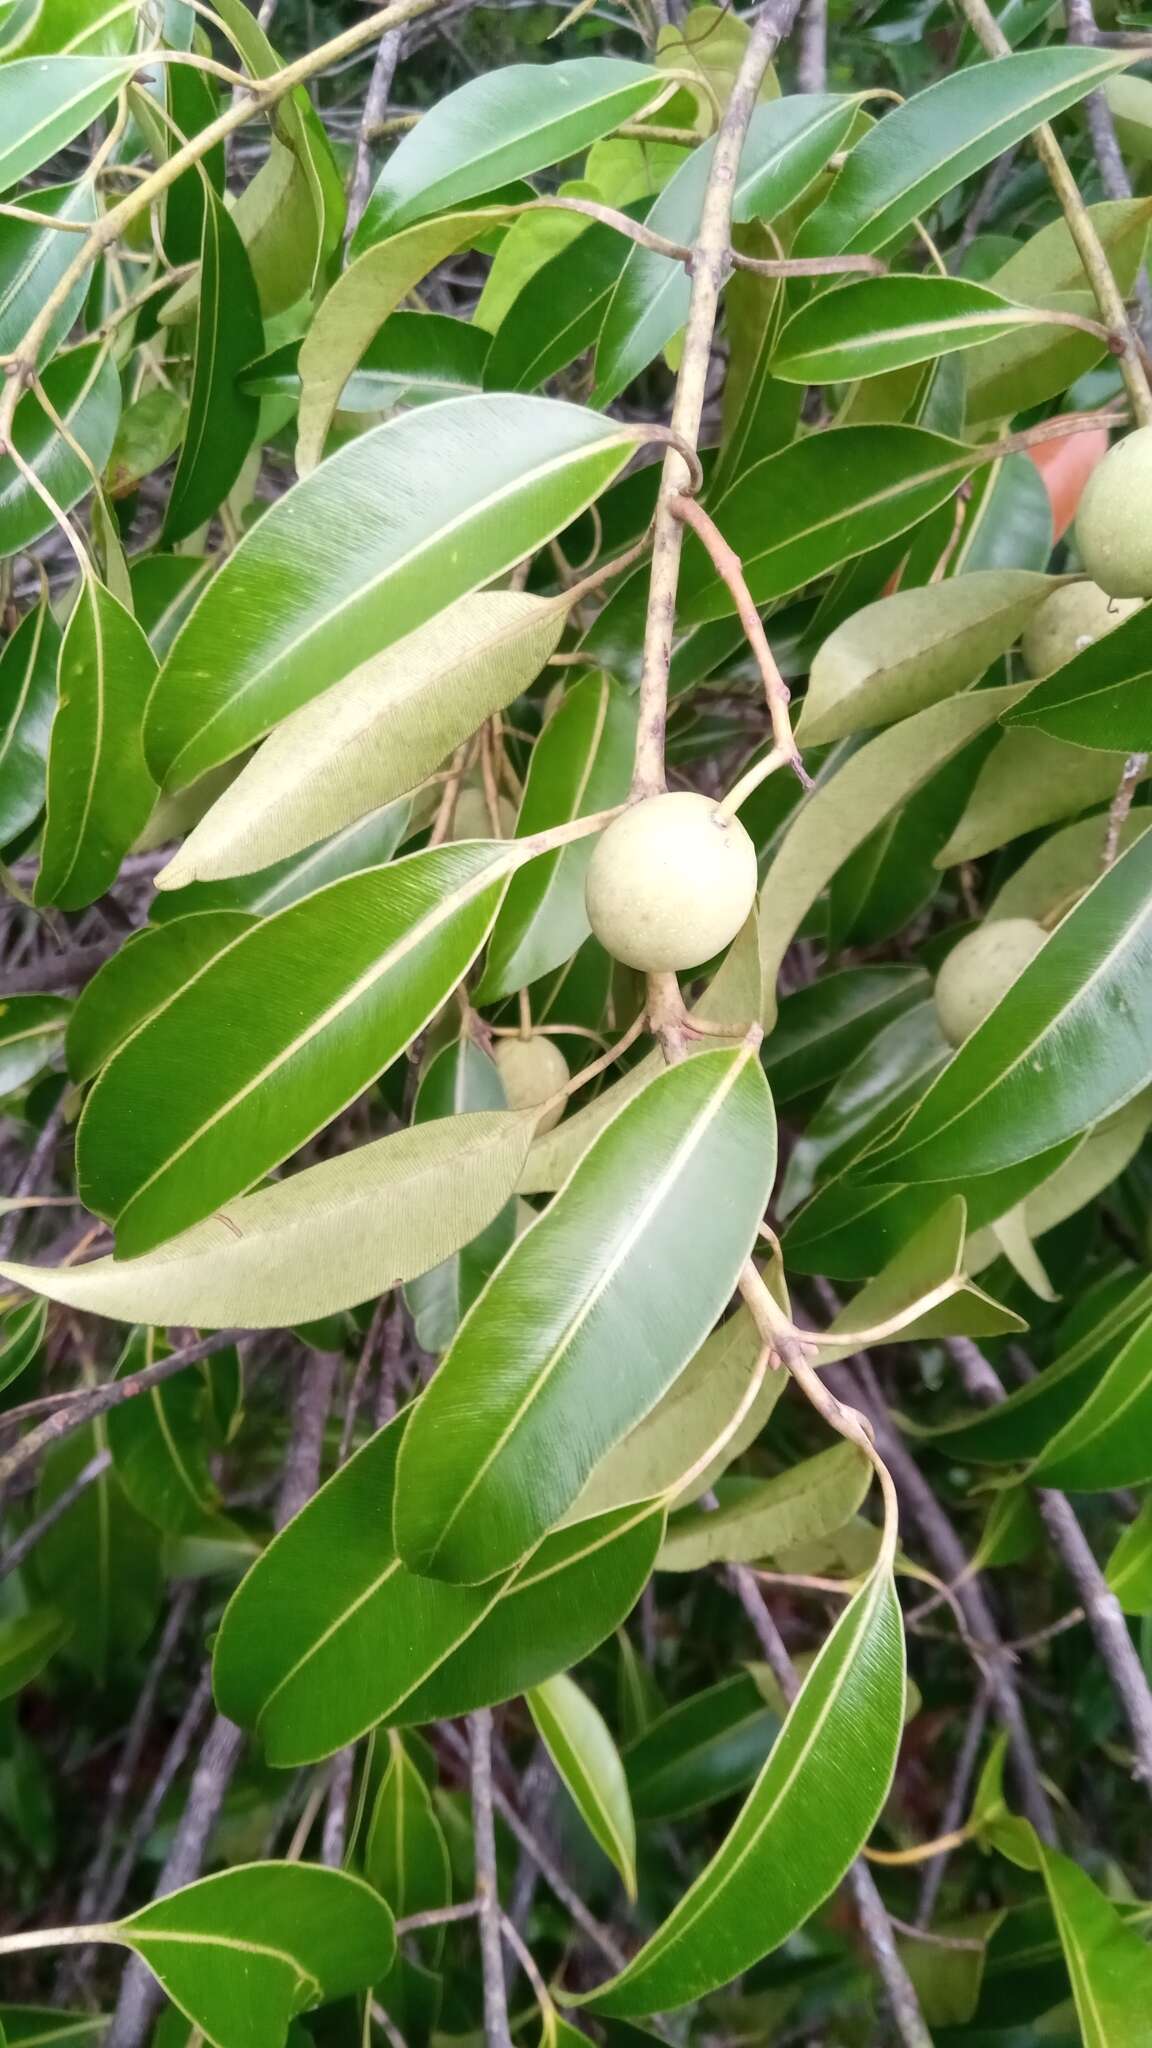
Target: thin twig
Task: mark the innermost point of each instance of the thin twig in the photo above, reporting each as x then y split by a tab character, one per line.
28	1538
1134	768
956	1805
812	47
496	2029
36	1170
379	87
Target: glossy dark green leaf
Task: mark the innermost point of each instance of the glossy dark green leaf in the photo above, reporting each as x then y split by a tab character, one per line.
100	1562
1070	1042
44	102
27	704
27	1643
1109	1963
922	1291
33	260
21	1335
504	125
758	1519
84	388
820	501
31	1034
1108	1442
702	1750
872	1094
367	842
330	1634
32	2026
492	1458
222	416
804	1821
146	972
580	1745
559	313
407	934
405	519
873	325
582	763
164	589
161	1443
405	1854
1029	780
820	1029
243	1952
1103	696
1129	1569
940	136
460	1080
100	792
193	101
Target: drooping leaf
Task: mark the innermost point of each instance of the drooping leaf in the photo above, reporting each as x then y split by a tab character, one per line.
368	842
31	1035
44	103
1109	1963
460	1081
1109	1435
84	389
820	501
243	1952
21	1335
1016	1086
27	1643
408	932
144	974
27	702
941	136
580	1744
99	1563
222	416
805	1819
493	1459
329	1633
873	325
1103	696
375	735
33	260
759	1518
413	515
1129	1569
502	126
560	311
405	1854
582	763
702	1750
1030	780
819	1029
161	1443
99	789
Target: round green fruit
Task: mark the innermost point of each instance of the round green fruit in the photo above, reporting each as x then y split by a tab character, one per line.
978	971
670	883
1114	523
1068	622
531	1070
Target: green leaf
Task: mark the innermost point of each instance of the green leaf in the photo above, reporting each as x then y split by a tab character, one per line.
845	809
150	430
1100	1157
317	1242
940	136
581	1747
461	1080
31	2026
222	416
821	1028
915	648
560	310
33	260
1109	1962
499	127
329	1634
243	1952
1109	1435
1027	369
675	1185
27	703
759	1518
375	735
368	842
817	503
225	1116
923	1292
27	1644
1030	780
704	1749
100	1563
1068	1044
806	1818
582	763
84	387
415	514
31	1034
100	793
146	972
871	1095
1129	1569
160	1443
43	105
677	1433
21	1335
1062	867
873	325
1103	696
405	1854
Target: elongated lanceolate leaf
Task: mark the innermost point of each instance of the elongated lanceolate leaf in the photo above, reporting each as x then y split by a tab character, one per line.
1103	696
873	325
99	790
581	1747
31	1034
330	1634
243	1952
21	1335
161	1441
760	1518
84	387
504	126
1109	1962
276	1034
375	735
100	1562
532	1394
222	416
460	1081
1111	1435
27	704
1070	1042
400	523
27	1644
405	1854
939	137
808	1814
45	101
33	260
143	975
820	501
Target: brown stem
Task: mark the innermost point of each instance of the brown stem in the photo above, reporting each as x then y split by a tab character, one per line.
496	2029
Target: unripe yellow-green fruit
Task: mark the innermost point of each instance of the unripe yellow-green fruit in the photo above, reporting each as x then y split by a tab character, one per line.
1114	523
471	819
1068	621
979	969
670	883
531	1070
